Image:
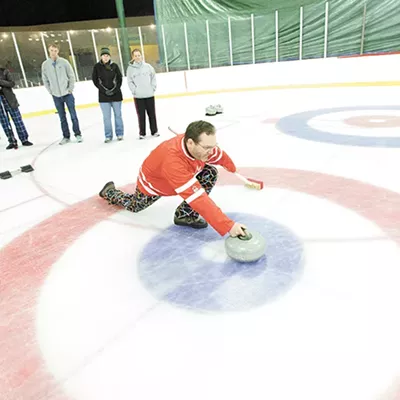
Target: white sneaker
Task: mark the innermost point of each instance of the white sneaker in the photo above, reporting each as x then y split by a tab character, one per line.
64	141
79	139
211	110
219	109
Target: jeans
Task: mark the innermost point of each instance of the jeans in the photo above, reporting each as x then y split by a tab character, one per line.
69	100
119	124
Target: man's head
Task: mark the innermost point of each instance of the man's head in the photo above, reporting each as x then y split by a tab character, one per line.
137	55
200	139
105	55
53	51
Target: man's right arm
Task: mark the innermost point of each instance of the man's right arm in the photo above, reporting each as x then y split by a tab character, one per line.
130	80
45	79
188	187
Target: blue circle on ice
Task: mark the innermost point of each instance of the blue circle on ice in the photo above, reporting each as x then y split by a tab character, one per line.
297	125
175	267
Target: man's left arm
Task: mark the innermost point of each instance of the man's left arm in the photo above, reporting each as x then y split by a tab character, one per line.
220	157
71	77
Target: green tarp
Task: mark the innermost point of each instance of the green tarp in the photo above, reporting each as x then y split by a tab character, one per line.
254	21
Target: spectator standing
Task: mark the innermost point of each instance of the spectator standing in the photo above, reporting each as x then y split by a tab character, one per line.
142	82
59	79
107	77
9	108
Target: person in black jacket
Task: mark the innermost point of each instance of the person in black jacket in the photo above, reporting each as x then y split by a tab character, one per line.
9	107
107	77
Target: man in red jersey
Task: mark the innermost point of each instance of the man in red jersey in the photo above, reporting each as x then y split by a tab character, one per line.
182	166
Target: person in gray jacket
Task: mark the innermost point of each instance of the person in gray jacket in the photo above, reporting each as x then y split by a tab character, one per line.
59	80
142	82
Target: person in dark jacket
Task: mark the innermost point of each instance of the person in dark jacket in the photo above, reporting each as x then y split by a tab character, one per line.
9	107
107	77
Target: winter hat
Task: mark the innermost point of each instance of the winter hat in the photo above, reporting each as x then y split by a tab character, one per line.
105	50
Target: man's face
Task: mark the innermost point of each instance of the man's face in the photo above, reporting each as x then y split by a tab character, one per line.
53	51
204	148
137	56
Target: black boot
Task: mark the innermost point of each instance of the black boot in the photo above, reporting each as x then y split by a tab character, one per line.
106	188
195	222
12	146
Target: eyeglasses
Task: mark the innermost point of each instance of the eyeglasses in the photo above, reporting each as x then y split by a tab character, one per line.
207	148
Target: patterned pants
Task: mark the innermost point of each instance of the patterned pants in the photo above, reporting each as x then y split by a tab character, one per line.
5	112
138	201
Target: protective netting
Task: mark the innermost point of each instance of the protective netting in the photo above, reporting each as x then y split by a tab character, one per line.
222	32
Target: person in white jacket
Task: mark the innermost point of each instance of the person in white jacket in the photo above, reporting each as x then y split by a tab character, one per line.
142	82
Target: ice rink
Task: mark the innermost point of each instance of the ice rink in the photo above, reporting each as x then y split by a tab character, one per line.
97	303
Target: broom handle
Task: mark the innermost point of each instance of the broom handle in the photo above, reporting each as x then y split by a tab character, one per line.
173	131
241	177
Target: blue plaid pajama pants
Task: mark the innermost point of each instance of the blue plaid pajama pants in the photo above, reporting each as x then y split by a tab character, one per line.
5	113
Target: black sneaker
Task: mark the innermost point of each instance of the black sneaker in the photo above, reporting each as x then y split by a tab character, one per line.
106	188
27	143
12	146
192	222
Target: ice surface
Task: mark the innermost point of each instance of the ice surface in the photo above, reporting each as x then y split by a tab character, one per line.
98	303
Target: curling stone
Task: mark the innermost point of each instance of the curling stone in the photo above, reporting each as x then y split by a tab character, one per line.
248	248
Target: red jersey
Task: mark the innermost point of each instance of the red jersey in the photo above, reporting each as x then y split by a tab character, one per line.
170	170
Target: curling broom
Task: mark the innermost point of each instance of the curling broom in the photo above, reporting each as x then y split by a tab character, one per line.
250	183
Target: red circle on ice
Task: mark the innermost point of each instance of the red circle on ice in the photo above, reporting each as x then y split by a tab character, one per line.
374	121
26	261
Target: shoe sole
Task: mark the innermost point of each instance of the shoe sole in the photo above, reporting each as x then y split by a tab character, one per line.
103	191
190	226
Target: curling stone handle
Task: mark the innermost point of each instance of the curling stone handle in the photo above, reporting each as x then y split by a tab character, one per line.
246	236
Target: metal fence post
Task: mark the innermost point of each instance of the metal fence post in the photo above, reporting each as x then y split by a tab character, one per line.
301	34
72	55
252	39
119	52
46	54
363	28
326	29
187	45
230	39
208	44
19	58
141	42
95	45
165	48
276	36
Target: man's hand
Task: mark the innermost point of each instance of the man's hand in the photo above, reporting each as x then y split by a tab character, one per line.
237	230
